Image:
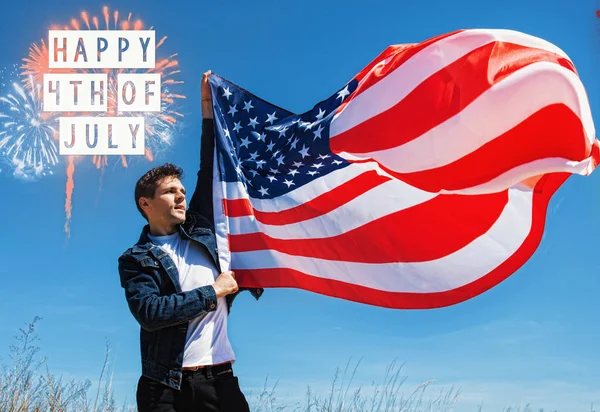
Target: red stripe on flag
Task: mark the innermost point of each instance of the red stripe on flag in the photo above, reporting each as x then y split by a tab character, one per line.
554	131
424	232
595	153
318	206
400	53
287	278
441	96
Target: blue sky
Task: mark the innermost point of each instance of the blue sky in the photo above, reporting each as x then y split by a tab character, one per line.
532	339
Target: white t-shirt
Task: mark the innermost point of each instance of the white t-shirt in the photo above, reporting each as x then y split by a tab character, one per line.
207	342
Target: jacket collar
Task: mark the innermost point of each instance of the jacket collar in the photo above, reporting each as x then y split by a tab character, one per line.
144	243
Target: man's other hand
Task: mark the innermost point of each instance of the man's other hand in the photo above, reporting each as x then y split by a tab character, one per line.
225	284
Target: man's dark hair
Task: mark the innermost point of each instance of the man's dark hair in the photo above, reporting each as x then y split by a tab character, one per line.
146	185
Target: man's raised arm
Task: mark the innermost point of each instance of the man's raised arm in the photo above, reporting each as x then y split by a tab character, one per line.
202	200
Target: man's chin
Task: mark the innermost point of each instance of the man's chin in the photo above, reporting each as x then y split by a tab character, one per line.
179	217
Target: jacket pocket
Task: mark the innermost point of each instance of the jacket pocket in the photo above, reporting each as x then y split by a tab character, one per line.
149	262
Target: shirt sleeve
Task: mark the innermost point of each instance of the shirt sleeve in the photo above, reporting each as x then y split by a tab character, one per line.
202	199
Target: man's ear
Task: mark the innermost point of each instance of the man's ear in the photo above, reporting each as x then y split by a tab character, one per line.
145	204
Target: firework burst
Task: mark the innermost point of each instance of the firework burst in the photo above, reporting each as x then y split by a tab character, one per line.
37	63
27	134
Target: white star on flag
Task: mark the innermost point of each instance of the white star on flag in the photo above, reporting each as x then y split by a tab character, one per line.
271	118
226	92
253	122
248	106
304	151
294	143
321	114
318	132
245	142
343	93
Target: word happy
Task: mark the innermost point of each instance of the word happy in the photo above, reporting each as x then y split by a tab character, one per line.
89	92
101	49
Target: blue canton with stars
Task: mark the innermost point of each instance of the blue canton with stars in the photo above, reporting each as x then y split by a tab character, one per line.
270	150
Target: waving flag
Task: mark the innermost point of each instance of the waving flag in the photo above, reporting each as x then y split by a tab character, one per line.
424	181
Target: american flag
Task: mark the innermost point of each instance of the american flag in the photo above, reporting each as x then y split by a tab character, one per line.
422	182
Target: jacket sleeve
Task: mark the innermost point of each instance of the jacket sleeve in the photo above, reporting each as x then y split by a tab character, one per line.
153	311
202	199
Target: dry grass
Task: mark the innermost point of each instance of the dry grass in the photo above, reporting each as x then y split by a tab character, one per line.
27	385
343	396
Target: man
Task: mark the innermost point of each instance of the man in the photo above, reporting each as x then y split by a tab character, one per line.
176	292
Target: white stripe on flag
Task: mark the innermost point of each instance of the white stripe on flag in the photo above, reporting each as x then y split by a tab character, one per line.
353	214
518	174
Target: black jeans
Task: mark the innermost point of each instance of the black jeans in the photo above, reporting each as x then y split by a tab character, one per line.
209	389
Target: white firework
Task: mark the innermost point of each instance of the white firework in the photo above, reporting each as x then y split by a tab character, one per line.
27	133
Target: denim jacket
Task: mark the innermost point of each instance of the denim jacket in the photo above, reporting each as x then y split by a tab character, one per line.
151	282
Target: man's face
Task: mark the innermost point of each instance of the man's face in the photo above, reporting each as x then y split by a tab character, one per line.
168	205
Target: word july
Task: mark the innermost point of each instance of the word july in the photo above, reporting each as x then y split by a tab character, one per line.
101	135
101	49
